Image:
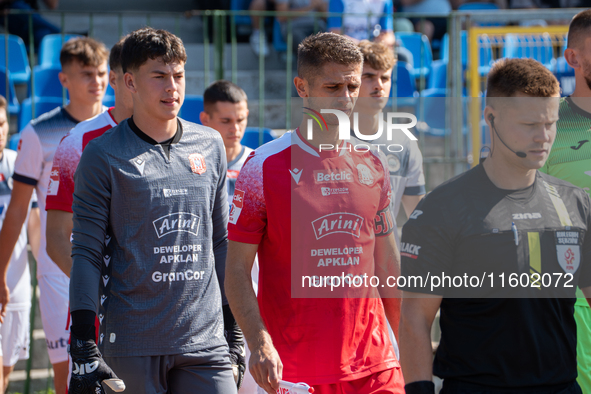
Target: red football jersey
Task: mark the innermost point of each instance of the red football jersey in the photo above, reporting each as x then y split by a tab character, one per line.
67	156
316	214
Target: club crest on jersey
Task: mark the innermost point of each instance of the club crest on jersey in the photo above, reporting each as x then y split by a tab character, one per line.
54	182
197	163
340	222
364	173
568	250
393	163
236	207
176	222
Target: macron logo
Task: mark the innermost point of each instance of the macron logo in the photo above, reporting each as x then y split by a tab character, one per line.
296	174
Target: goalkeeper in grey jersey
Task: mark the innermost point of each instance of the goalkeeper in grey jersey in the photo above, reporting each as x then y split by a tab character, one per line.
149	242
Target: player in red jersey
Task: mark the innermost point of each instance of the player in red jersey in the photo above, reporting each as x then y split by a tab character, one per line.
61	187
312	212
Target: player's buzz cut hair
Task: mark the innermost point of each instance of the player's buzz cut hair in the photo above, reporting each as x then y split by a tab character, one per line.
376	55
85	50
115	55
224	91
579	28
148	43
319	49
528	76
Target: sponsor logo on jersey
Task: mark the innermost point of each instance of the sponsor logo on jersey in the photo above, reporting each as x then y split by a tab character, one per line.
409	250
175	192
54	182
197	163
364	173
105	280
236	208
20	145
331	191
296	173
107	259
393	163
415	214
568	250
101	317
176	222
341	222
325	176
522	216
103	299
140	164
579	145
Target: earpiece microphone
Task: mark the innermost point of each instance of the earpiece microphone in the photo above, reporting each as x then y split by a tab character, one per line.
520	154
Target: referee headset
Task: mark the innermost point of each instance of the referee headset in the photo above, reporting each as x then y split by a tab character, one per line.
519	154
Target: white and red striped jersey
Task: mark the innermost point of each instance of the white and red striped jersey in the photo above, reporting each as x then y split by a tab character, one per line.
315	214
67	156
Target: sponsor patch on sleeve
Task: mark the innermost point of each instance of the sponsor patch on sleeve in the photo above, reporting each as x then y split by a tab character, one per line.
54	182
236	207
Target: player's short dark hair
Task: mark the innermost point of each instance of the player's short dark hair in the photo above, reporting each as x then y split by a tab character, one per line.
148	43
85	50
319	49
579	28
115	55
224	91
528	76
377	55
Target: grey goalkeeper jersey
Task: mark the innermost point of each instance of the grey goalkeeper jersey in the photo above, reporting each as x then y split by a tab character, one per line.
159	226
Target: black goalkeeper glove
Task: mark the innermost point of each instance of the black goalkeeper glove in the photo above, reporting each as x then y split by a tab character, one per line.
235	341
89	369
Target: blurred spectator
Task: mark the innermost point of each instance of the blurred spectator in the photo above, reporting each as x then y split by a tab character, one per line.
18	24
433	28
357	28
302	26
502	4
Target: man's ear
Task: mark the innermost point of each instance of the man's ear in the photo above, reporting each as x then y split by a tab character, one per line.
301	86
129	82
63	77
572	58
204	118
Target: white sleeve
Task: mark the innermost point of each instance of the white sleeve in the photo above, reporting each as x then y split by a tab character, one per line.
29	162
415	185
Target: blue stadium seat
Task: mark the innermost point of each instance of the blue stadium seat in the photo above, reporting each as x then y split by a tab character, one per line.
485	55
404	85
438	78
13	105
192	107
251	137
278	43
47	83
417	43
18	62
42	105
477	6
51	45
240	5
534	46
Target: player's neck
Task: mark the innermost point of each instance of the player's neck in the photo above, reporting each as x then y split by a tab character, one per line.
232	152
320	136
368	123
81	112
120	113
582	95
505	175
159	130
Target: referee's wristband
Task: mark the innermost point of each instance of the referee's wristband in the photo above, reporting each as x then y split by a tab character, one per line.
421	387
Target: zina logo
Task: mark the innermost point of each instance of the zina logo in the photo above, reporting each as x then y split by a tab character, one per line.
345	129
176	222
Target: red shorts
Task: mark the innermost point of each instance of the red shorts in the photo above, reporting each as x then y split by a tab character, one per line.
385	382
